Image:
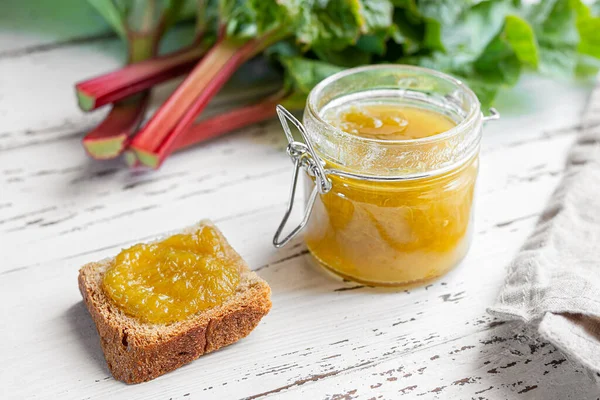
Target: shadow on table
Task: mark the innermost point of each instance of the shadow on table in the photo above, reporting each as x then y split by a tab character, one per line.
86	335
516	362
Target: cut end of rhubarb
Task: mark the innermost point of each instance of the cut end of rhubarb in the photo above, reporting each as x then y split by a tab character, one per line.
85	101
105	149
130	158
147	159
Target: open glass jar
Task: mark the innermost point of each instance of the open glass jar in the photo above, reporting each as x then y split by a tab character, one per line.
387	212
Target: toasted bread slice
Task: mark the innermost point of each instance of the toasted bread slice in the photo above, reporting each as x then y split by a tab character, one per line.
137	352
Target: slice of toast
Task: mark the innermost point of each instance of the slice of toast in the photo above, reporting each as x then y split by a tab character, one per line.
137	352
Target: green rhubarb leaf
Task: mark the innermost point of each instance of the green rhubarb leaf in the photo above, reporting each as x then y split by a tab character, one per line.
440	62
484	83
486	92
413	29
303	74
462	28
130	18
351	56
433	36
474	30
373	44
174	10
283	48
519	34
588	27
499	64
115	13
376	28
239	19
140	16
207	16
587	66
554	24
440	18
270	16
332	24
294	101
558	61
446	12
409	29
376	15
567	35
250	19
453	26
408	21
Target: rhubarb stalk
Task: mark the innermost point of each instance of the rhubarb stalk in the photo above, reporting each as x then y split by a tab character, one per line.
222	124
134	78
142	73
110	137
228	121
141	26
301	76
158	138
258	24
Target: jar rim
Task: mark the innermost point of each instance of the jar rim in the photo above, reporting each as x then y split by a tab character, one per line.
474	111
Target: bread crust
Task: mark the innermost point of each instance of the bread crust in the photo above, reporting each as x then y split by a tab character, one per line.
138	352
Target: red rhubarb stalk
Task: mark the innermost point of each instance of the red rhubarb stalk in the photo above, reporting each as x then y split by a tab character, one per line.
227	122
221	124
157	139
134	78
111	136
141	25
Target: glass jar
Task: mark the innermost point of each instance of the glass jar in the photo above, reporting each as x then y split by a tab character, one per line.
387	212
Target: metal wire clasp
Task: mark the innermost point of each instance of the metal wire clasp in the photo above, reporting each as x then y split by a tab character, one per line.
494	115
303	156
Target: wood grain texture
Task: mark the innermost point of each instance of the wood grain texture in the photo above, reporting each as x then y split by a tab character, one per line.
324	338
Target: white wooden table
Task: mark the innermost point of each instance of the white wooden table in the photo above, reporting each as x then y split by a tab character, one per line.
324	339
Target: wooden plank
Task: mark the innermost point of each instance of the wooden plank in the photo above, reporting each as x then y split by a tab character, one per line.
497	362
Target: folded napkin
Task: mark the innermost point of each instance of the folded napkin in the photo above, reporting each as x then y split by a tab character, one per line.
554	281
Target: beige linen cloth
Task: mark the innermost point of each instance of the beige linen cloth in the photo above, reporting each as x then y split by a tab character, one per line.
554	280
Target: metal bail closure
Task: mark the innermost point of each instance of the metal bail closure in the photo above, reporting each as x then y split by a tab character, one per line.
494	115
303	155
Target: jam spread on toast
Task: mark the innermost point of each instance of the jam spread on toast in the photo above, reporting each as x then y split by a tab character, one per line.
170	280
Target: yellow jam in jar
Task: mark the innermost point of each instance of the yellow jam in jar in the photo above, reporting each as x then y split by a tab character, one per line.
392	232
388	121
170	280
